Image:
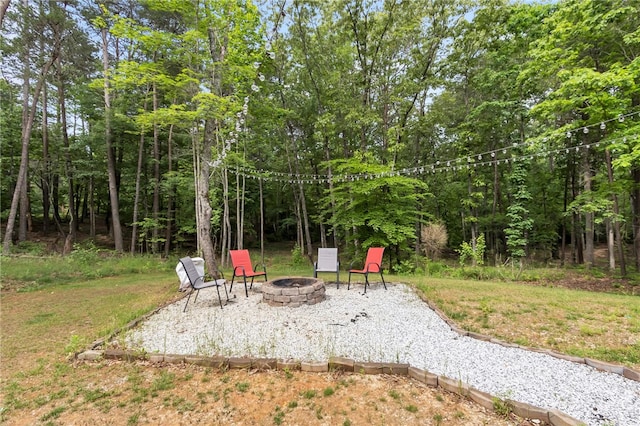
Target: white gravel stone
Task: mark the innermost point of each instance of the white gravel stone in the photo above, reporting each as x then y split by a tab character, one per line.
386	326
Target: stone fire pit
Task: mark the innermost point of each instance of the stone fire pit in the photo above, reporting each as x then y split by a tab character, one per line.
293	291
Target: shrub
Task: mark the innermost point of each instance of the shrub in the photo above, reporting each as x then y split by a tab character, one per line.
434	239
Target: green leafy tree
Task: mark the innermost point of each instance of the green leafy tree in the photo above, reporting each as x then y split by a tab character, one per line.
374	204
589	58
520	224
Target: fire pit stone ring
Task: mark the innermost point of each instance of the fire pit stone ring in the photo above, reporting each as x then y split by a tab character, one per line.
293	291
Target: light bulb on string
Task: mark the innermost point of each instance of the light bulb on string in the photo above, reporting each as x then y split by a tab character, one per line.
621	118
585	130
603	126
568	134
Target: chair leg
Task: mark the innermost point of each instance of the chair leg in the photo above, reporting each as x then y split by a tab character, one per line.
219	298
338	279
225	291
196	298
185	305
366	282
349	284
231	286
383	283
246	292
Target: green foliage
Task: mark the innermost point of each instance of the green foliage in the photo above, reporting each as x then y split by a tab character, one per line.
31	248
297	257
517	212
321	99
502	407
76	344
467	251
383	209
86	253
405	267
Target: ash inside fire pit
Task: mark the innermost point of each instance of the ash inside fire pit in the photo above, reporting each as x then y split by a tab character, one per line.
293	291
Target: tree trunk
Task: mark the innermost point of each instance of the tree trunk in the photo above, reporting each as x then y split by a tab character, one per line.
136	197
239	212
111	160
24	158
225	237
155	243
4	5
170	197
611	246
203	207
635	211
588	218
92	208
261	221
73	222
45	179
616	222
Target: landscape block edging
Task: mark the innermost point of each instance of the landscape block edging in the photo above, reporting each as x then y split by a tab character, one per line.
486	400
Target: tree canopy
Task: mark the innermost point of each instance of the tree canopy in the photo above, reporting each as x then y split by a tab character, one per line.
211	125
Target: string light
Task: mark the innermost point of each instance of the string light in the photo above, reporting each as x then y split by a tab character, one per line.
410	171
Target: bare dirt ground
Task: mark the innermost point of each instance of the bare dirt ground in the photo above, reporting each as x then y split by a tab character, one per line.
119	393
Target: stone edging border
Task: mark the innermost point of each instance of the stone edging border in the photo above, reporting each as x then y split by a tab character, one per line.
551	417
484	399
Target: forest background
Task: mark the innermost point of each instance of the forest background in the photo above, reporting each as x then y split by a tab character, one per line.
506	132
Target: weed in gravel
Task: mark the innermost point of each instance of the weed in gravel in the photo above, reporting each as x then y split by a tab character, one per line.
278	417
502	406
242	386
53	414
165	381
308	394
133	420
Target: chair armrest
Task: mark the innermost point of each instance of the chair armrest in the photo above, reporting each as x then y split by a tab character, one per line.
264	268
216	276
373	263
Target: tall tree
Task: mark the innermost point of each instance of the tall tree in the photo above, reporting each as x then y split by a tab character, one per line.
591	52
30	103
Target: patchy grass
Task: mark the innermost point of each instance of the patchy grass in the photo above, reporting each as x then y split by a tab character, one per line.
589	324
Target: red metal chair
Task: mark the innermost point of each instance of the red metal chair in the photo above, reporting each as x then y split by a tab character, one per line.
373	263
242	268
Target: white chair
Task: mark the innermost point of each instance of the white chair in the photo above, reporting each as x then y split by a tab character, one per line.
327	262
